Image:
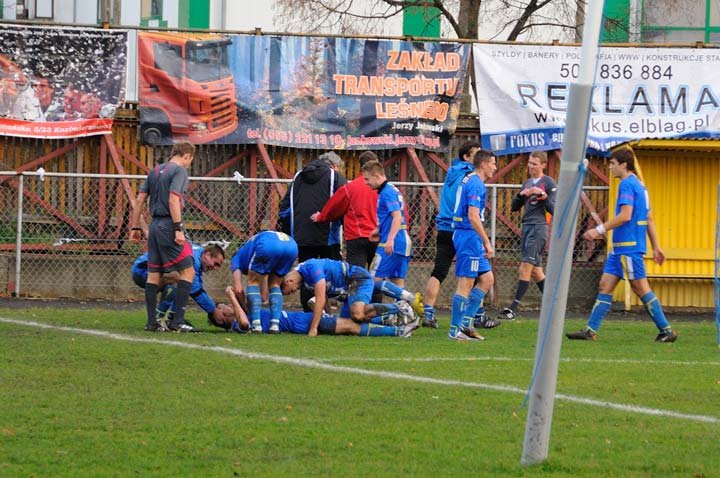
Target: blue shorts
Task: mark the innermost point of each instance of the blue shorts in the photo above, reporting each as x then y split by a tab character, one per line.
394	266
268	254
299	323
631	265
470	260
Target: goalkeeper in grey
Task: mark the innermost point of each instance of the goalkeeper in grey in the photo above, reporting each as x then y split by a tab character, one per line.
537	197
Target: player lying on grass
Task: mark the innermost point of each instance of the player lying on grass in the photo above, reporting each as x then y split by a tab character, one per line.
235	319
338	279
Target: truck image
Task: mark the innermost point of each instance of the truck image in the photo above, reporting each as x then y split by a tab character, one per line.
186	89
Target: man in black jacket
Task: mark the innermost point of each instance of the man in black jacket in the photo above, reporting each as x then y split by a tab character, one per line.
311	188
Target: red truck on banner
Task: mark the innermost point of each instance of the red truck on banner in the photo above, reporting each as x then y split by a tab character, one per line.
187	91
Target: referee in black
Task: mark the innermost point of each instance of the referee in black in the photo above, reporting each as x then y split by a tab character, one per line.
168	250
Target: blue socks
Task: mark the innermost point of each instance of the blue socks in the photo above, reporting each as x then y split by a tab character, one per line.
167	305
372	330
459	304
254	302
599	311
276	304
473	304
652	305
392	290
654	308
429	312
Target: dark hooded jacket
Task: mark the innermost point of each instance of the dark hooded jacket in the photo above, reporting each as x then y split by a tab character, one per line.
311	188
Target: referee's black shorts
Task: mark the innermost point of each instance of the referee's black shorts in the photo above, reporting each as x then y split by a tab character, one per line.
164	255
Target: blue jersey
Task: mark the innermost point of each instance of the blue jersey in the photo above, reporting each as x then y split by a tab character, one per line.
197	290
139	267
630	237
459	169
335	273
389	201
471	192
268	252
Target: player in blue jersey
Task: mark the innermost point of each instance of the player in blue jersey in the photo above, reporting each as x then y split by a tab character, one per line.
444	248
204	259
333	279
632	222
235	319
473	248
267	256
389	267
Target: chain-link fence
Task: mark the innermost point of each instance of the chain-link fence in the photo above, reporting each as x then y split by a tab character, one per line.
72	239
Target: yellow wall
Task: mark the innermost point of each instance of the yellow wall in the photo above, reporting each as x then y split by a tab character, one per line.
683	197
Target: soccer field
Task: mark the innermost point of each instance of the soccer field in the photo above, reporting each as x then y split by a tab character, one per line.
88	393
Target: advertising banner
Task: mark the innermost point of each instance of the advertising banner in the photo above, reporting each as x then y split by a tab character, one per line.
60	82
302	92
523	94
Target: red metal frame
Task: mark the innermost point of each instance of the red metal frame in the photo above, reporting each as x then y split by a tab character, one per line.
109	151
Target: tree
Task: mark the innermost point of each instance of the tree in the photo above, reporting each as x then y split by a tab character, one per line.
499	19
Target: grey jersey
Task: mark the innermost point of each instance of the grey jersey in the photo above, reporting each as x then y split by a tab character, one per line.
535	209
166	179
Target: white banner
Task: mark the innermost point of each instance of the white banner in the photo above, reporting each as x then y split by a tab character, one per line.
523	94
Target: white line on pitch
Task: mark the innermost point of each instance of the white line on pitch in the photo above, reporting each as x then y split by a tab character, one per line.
309	363
510	359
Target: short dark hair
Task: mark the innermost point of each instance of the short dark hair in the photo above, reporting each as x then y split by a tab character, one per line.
366	157
182	148
466	147
214	250
482	156
373	167
625	156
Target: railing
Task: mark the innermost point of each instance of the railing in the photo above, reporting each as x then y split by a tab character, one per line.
69	233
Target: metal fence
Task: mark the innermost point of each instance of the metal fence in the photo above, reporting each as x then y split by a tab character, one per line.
65	234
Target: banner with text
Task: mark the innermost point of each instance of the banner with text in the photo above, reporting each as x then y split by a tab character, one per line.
60	82
523	94
303	92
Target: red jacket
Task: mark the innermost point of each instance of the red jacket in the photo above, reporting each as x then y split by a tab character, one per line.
358	203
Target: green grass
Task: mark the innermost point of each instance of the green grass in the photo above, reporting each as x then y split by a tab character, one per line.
74	405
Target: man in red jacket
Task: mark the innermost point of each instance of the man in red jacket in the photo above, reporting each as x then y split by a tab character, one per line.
358	204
